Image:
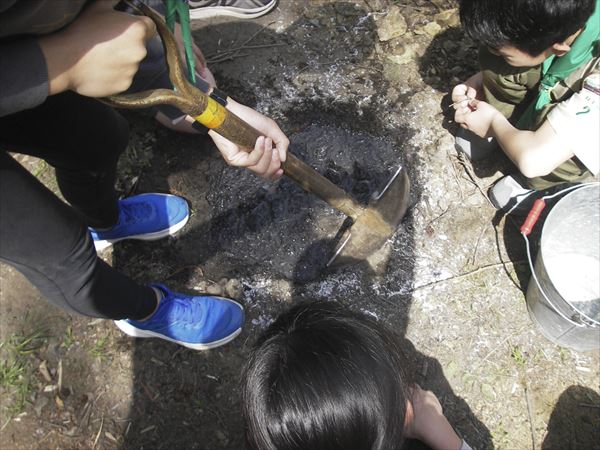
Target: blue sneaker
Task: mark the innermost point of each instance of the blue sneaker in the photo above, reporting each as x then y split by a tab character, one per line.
200	323
146	217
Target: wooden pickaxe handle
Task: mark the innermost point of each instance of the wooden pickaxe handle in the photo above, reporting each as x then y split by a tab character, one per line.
213	115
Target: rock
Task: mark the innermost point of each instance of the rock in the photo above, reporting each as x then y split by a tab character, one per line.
376	5
281	290
416	20
41	401
392	25
432	29
396	47
214	289
410	54
201	286
233	288
448	18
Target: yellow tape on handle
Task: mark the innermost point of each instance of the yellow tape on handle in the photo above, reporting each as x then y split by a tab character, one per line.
213	116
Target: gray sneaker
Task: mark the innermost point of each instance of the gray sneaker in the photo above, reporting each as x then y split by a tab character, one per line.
508	195
473	146
242	9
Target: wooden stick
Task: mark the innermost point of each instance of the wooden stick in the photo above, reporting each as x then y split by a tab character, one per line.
467	274
530	415
459	101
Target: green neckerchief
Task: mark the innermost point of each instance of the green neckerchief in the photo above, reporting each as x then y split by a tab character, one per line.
180	8
554	69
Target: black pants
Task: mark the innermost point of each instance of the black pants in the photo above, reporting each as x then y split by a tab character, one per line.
48	240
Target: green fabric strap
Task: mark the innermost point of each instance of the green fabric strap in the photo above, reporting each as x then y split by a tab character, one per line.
181	9
555	70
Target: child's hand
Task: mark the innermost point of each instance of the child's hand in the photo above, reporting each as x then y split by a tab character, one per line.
99	53
476	116
461	94
469	89
269	151
199	58
427	422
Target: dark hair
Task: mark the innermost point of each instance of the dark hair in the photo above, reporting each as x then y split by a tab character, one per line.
324	378
531	26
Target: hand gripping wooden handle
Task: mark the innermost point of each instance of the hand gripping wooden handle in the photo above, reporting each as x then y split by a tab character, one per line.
236	130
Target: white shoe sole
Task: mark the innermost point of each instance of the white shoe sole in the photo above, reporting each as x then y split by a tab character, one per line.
104	244
216	11
507	195
132	331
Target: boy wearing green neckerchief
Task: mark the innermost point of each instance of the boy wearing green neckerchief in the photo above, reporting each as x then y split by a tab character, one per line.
538	92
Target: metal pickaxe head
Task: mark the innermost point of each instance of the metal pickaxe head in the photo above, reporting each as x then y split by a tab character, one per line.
376	223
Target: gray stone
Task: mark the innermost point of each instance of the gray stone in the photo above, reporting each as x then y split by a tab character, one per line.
448	18
214	289
392	25
233	288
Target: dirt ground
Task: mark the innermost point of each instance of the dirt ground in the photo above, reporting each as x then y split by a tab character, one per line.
360	87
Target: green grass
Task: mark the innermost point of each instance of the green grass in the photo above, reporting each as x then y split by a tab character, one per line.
98	350
518	356
69	339
565	355
11	371
28	344
15	369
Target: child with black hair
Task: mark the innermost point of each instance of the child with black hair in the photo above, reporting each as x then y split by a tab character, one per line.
324	378
537	94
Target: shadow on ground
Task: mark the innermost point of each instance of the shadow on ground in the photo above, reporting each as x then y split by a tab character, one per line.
575	420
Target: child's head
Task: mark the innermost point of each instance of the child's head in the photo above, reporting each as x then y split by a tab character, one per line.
524	31
324	378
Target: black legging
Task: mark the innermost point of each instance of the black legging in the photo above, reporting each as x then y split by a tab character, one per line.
44	238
